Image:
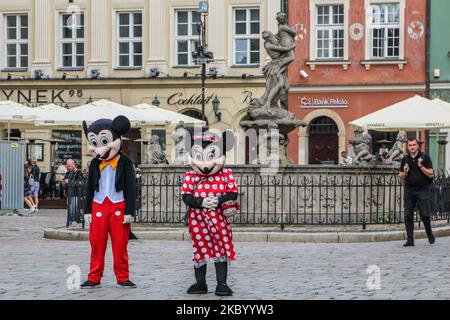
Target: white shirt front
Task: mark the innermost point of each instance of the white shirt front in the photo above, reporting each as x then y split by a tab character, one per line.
107	187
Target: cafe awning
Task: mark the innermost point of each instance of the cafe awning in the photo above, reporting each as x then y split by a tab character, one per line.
89	112
15	112
149	114
411	114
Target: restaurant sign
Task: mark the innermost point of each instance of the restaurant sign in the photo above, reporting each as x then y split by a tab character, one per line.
33	98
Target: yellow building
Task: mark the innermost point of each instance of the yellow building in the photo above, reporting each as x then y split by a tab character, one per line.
68	52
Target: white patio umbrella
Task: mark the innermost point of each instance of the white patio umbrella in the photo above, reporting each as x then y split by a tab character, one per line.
89	112
149	114
11	111
411	114
442	103
48	111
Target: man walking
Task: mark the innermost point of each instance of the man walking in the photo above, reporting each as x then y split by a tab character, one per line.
416	170
71	178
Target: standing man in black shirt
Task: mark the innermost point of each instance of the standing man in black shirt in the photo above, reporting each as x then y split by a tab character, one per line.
416	170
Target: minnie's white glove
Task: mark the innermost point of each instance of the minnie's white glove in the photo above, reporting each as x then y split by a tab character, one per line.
210	203
230	212
128	219
88	218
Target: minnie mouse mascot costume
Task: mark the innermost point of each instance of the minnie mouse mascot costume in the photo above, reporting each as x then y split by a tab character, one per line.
110	199
210	191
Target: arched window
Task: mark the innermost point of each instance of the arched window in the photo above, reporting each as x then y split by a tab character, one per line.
193	114
323	125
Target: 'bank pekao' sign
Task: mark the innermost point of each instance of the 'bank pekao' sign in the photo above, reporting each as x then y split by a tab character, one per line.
36	97
311	103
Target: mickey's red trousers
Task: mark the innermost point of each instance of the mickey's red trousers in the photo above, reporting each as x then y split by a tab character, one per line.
108	218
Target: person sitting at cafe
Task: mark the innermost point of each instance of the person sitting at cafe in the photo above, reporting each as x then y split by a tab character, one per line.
35	173
27	196
346	159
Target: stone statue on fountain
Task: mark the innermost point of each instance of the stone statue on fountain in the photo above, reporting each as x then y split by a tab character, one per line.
178	136
271	109
155	153
361	145
280	48
395	154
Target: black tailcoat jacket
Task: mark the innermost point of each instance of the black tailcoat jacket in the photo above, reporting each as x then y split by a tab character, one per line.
125	181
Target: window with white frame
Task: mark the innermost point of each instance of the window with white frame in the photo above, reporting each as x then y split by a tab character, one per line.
72	40
16	41
246	38
385	30
186	36
129	39
330	31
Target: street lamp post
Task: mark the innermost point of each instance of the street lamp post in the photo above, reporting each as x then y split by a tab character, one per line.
201	56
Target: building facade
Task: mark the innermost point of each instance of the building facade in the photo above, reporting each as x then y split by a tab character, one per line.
360	56
68	52
439	73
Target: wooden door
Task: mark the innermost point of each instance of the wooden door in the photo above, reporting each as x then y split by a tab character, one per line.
323	141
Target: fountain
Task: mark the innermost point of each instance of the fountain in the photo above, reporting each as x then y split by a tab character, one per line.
270	111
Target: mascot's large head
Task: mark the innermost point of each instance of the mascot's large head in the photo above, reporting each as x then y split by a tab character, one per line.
104	136
207	150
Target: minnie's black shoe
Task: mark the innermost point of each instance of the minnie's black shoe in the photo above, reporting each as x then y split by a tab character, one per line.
199	287
222	288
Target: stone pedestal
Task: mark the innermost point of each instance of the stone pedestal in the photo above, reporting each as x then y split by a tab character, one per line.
267	130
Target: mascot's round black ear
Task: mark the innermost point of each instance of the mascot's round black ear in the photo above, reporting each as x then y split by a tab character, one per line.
228	140
85	128
121	125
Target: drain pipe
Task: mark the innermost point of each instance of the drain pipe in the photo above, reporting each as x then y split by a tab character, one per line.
427	73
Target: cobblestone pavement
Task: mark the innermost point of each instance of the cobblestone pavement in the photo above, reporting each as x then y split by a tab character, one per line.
32	267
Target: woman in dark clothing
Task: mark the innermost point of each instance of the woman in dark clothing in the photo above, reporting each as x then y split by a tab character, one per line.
28	197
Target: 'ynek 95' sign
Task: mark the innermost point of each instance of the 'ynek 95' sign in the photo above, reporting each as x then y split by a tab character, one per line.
36	97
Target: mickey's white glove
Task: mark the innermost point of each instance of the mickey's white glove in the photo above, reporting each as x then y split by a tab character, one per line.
128	219
210	203
88	218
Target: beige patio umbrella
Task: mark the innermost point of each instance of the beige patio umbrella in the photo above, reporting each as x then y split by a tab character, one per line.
414	113
48	111
149	114
13	112
411	114
89	112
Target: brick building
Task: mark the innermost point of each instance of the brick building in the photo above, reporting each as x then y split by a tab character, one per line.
360	56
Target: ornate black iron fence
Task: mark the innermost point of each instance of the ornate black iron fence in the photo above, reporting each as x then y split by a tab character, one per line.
76	200
306	198
299	199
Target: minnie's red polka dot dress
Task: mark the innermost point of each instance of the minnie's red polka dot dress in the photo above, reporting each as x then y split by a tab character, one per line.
209	228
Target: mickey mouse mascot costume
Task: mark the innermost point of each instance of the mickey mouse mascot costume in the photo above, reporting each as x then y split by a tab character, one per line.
110	200
210	192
